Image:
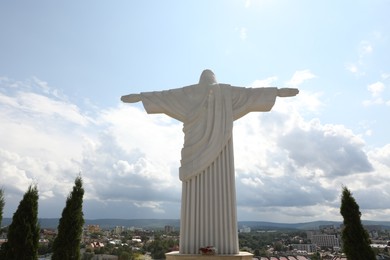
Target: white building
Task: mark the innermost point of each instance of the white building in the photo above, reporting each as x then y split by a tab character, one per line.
245	229
119	229
309	248
325	240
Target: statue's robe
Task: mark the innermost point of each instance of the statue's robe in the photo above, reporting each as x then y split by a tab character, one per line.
208	209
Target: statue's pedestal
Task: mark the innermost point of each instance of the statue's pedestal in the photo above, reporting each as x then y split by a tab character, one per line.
177	256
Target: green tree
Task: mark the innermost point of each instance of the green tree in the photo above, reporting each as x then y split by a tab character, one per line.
356	242
316	256
88	255
160	246
158	249
23	233
125	256
67	243
2	203
278	246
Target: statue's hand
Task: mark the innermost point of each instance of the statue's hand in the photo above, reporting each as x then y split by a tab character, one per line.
132	98
287	92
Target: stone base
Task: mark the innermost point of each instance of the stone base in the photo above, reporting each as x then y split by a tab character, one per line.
177	256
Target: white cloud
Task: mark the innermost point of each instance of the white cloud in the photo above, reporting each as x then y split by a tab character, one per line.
352	67
376	88
268	82
385	75
159	136
156	207
365	48
374	101
129	160
37	124
243	33
308	102
299	77
278	156
252	182
381	155
45	106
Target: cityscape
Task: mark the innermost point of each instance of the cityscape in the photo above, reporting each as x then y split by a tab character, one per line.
139	102
266	241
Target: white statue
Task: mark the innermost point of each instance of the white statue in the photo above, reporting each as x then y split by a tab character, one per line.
207	110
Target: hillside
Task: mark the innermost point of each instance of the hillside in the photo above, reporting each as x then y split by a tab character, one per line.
160	223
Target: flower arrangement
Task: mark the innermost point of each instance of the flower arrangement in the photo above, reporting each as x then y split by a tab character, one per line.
208	250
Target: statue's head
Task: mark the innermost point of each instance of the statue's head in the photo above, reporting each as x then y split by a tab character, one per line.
207	78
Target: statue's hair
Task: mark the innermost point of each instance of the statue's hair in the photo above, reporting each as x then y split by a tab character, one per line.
207	78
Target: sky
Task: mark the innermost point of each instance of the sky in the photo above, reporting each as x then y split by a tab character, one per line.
64	66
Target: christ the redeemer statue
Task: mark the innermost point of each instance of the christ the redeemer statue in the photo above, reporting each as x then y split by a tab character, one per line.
207	110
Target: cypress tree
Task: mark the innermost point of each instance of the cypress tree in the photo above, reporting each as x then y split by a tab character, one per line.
356	242
67	243
2	203
23	233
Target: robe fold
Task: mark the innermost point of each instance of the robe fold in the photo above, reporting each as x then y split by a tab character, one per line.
208	205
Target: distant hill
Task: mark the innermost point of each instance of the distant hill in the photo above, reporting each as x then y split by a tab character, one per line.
110	223
160	223
142	223
304	226
286	226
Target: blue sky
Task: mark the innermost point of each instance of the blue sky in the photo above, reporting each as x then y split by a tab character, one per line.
64	66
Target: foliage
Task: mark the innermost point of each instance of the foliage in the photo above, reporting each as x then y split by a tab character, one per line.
356	242
139	256
119	250
88	256
258	241
2	203
23	233
160	246
67	243
44	249
96	235
279	247
125	256
316	256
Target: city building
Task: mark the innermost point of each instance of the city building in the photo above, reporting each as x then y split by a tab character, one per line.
93	228
169	229
309	248
119	229
328	241
245	229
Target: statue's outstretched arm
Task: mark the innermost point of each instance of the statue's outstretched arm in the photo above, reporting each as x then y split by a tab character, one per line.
287	92
132	98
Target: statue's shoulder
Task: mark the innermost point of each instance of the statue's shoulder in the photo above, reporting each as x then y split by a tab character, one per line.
184	89
189	87
237	88
224	85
